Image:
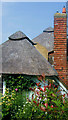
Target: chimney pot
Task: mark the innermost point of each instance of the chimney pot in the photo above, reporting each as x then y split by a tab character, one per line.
64	10
57	11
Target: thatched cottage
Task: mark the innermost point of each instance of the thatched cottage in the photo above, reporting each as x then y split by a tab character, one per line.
47	53
19	56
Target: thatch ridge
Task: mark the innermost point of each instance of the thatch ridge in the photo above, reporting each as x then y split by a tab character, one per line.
46	39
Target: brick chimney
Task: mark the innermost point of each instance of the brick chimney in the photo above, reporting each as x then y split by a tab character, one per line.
60	45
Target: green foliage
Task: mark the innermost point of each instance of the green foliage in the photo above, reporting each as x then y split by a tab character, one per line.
45	103
13	104
48	102
19	81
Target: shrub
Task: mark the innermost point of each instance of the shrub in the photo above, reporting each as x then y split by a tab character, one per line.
45	103
48	102
18	81
12	105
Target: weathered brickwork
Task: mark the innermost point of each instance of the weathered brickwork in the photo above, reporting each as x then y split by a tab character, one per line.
60	46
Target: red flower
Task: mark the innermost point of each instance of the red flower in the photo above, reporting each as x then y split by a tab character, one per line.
42	108
63	101
57	86
31	89
41	89
32	97
34	102
50	85
51	106
45	104
64	95
37	104
38	84
67	94
44	88
37	92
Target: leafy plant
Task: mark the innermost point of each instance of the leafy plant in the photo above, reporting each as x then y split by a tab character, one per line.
44	103
12	105
48	102
19	81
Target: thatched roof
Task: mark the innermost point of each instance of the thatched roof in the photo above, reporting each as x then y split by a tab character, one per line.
17	36
49	29
21	57
46	39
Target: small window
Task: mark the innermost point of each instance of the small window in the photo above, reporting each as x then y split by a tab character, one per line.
53	58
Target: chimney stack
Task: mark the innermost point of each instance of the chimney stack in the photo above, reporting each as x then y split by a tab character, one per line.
64	10
60	45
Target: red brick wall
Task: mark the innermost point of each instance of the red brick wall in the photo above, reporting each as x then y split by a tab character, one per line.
60	46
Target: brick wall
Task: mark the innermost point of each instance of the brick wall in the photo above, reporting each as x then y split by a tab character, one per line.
60	46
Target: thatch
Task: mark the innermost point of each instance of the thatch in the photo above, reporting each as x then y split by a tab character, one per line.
42	50
21	57
49	29
17	36
46	39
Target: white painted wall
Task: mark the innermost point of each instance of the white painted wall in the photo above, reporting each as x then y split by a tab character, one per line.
62	87
4	86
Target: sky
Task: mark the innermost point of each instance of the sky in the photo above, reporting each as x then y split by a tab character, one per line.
29	17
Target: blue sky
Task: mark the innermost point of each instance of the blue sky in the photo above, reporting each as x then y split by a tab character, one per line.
29	17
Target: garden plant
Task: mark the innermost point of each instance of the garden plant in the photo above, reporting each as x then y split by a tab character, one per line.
46	103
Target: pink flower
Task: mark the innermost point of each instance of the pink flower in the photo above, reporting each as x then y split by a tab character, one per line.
50	85
63	101
53	95
46	105
51	106
42	108
16	89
